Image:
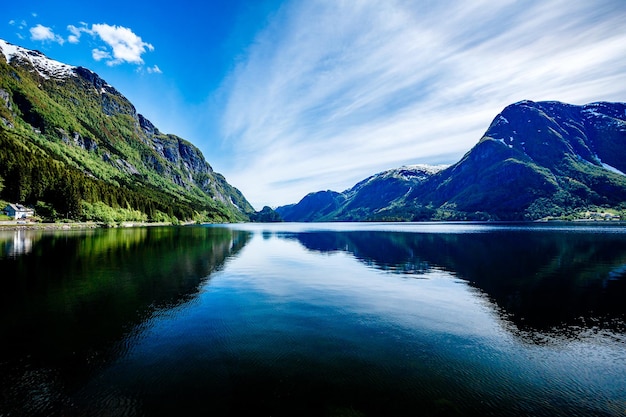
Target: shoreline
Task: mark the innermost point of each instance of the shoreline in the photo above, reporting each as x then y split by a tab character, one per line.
17	225
14	225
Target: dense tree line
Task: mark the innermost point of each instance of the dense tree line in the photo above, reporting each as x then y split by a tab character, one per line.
266	215
32	177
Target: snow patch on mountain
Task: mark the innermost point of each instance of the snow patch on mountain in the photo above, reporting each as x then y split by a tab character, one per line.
410	172
593	111
428	169
46	67
502	141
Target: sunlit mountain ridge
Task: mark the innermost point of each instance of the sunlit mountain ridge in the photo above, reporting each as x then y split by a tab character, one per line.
536	160
74	147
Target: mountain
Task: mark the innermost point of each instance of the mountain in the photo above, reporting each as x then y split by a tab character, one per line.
536	160
75	147
317	206
374	198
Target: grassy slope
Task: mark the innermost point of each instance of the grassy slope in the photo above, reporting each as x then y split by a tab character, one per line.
46	116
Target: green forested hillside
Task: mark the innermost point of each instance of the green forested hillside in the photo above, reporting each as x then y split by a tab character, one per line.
536	160
73	147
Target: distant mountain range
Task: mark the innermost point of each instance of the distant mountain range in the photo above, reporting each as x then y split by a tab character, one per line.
536	160
73	146
370	199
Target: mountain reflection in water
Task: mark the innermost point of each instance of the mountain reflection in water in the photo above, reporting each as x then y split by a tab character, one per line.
73	296
543	281
314	320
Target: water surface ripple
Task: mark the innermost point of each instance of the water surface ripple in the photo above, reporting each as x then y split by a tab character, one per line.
315	320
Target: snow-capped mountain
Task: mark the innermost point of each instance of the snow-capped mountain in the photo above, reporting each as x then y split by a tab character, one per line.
408	173
44	66
363	201
80	127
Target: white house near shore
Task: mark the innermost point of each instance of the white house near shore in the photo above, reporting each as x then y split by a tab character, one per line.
18	211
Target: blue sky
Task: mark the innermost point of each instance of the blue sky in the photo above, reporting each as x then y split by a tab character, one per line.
289	97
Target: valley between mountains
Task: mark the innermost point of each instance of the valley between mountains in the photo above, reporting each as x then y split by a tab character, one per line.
73	147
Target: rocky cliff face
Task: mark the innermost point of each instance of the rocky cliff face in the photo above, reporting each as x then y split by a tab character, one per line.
173	156
48	102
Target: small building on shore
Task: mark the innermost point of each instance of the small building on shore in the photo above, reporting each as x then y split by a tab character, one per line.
18	211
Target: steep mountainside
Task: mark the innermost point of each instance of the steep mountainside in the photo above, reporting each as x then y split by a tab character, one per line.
316	206
378	197
535	160
72	143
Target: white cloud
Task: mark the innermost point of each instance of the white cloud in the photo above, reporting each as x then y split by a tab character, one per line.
99	54
334	91
154	70
122	45
44	33
125	45
75	33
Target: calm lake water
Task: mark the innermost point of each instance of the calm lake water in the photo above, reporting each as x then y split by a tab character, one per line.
314	320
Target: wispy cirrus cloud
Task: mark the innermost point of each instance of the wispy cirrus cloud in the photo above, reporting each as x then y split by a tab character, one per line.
334	91
154	70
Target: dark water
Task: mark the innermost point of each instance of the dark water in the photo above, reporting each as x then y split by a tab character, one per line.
314	320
